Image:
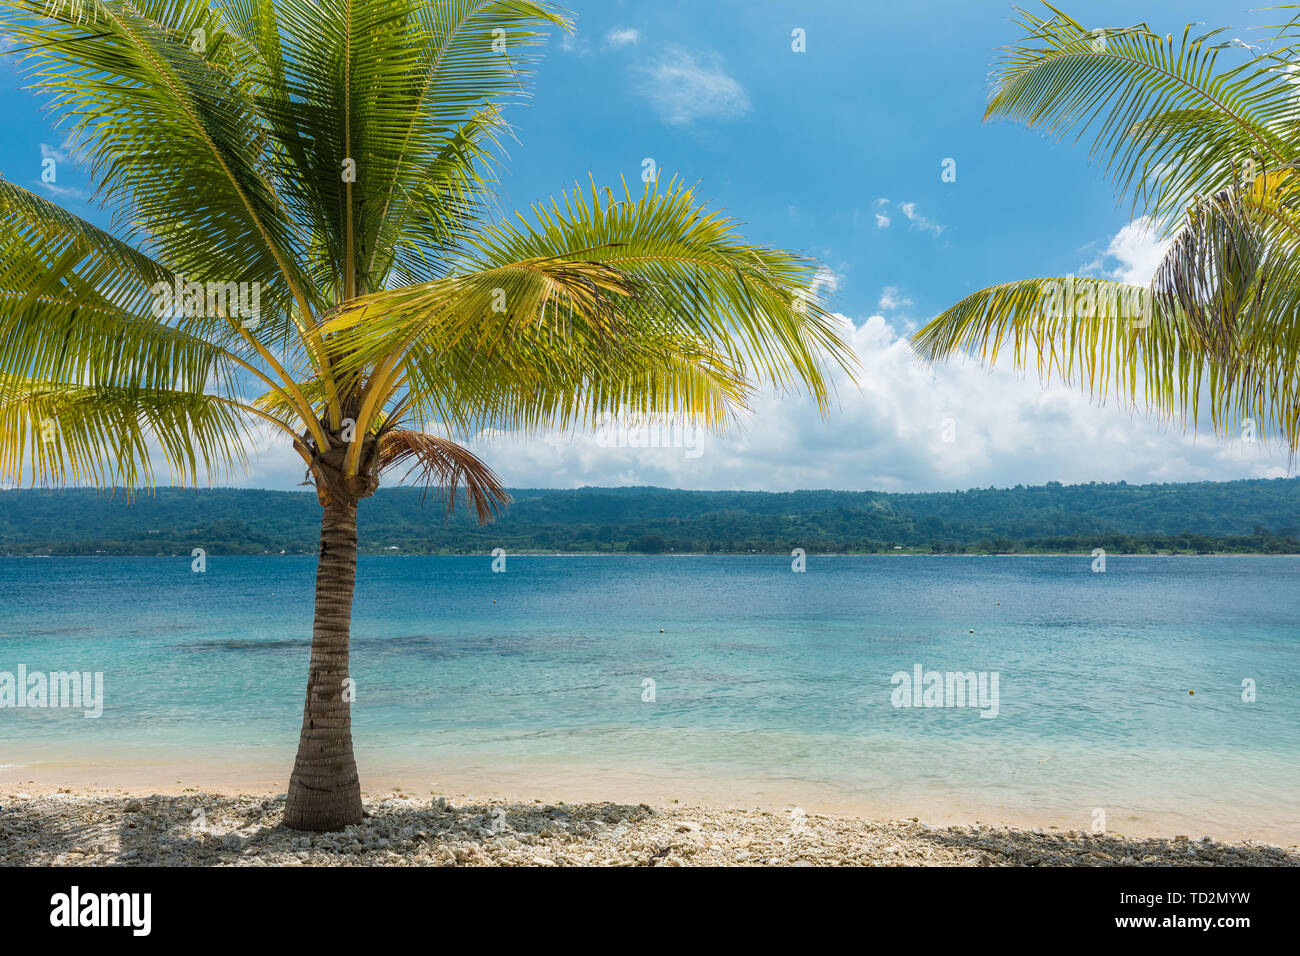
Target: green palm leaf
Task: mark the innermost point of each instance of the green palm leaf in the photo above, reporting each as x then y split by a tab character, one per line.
1164	116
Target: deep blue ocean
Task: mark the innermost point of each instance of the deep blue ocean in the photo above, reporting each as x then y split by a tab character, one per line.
731	676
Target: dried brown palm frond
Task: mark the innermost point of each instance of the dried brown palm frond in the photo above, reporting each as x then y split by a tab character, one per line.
443	464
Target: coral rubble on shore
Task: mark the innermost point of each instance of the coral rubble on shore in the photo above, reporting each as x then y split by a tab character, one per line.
200	829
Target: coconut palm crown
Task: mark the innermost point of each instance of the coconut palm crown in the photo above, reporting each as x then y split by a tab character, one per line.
1210	151
304	245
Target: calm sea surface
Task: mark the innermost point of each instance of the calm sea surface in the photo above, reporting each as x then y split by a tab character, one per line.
766	684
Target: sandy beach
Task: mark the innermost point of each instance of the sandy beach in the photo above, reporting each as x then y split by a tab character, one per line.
526	781
43	826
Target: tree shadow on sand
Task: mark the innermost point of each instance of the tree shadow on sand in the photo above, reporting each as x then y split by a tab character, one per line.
1029	848
209	830
203	830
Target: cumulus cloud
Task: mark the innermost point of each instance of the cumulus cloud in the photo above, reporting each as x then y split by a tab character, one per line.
1138	249
911	427
1132	255
908	427
683	87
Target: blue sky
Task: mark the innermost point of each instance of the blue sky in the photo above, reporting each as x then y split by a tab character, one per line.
836	152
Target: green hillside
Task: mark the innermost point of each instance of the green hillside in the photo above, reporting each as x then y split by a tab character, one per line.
1259	515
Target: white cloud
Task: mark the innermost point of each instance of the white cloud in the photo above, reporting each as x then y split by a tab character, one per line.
65	192
1139	248
882	218
889	434
622	36
683	88
917	220
575	43
61	155
891	299
826	280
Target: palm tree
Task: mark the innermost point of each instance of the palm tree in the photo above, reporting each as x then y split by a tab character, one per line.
304	245
1211	152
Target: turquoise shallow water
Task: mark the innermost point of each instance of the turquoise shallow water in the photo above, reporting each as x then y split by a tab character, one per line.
766	682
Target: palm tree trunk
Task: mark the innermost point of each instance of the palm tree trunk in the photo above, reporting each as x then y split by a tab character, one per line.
324	790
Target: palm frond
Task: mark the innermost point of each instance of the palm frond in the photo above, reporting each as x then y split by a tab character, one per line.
1165	117
587	293
1234	274
78	304
60	432
1116	340
442	464
165	128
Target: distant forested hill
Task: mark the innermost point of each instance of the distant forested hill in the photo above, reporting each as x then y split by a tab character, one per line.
1261	515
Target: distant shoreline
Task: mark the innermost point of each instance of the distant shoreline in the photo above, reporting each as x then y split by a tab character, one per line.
1256	517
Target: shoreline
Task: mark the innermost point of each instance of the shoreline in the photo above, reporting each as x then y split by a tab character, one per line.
902	553
100	828
557	785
